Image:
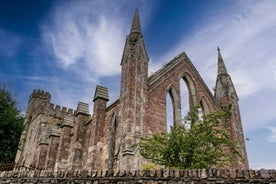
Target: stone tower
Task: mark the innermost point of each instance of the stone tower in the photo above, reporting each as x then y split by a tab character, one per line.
38	102
134	92
225	94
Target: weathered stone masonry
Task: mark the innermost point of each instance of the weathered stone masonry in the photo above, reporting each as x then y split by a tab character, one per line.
65	139
210	176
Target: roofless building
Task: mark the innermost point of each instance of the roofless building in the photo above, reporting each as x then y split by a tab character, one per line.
64	139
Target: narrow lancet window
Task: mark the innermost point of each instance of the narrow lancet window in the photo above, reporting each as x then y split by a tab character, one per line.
169	111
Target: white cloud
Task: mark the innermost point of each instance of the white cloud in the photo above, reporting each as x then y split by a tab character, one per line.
106	50
40	78
247	39
258	110
86	40
64	92
265	165
89	34
246	85
272	136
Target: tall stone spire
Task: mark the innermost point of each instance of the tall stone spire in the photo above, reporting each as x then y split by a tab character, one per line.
134	39
136	27
225	94
224	85
134	95
221	65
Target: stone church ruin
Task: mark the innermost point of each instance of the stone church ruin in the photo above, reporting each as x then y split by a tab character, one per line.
65	139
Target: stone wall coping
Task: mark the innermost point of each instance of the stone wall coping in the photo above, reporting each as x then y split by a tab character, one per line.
207	174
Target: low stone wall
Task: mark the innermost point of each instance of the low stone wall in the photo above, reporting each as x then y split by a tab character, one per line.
159	176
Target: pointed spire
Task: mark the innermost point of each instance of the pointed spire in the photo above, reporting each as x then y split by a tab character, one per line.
221	65
136	27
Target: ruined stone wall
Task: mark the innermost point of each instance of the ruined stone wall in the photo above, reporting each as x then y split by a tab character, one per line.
62	153
54	136
58	139
210	176
43	136
97	154
30	142
112	136
167	80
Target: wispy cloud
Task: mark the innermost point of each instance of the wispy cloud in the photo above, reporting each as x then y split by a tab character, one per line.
272	136
39	78
257	111
87	33
247	41
246	37
265	165
64	91
86	40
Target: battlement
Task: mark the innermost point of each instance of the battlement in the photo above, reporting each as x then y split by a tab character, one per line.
40	94
58	109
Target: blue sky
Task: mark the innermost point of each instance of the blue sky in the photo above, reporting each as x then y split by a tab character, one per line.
68	47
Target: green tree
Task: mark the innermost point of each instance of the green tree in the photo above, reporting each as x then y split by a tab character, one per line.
205	144
11	125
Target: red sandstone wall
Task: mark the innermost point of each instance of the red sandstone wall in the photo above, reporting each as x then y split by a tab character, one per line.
169	77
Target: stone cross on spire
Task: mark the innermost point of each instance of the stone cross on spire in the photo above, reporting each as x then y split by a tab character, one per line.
136	27
221	65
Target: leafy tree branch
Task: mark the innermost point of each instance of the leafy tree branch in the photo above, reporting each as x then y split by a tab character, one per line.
206	144
11	125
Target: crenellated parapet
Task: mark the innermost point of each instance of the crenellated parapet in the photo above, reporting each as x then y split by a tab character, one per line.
38	103
40	94
59	111
40	98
